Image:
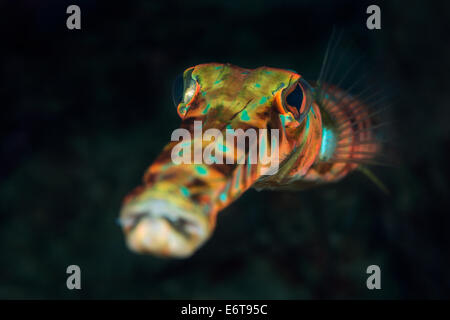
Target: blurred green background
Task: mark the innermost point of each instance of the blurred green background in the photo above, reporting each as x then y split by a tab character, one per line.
85	112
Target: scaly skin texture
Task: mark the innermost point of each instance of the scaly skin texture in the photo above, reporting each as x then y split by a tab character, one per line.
175	209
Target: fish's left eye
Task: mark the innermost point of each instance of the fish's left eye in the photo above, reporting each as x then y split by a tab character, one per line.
177	90
184	88
299	100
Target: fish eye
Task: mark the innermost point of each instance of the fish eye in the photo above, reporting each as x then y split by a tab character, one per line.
177	90
299	100
190	91
295	98
184	88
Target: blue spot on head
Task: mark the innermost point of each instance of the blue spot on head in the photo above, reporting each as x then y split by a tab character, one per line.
206	109
185	191
244	116
200	170
283	120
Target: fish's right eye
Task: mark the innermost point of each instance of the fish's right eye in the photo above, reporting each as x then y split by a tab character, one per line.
299	100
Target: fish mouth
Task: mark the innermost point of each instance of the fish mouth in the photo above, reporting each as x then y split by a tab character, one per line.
163	226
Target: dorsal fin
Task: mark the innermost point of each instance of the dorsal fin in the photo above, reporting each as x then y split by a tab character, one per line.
351	117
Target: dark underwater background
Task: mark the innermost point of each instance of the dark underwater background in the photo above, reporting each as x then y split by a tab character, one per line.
83	113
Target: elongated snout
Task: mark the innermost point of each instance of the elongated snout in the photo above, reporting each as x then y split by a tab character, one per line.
163	224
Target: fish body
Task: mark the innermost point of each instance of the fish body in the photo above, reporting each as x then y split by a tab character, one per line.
322	133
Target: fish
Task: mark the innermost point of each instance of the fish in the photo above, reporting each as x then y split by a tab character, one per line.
322	134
